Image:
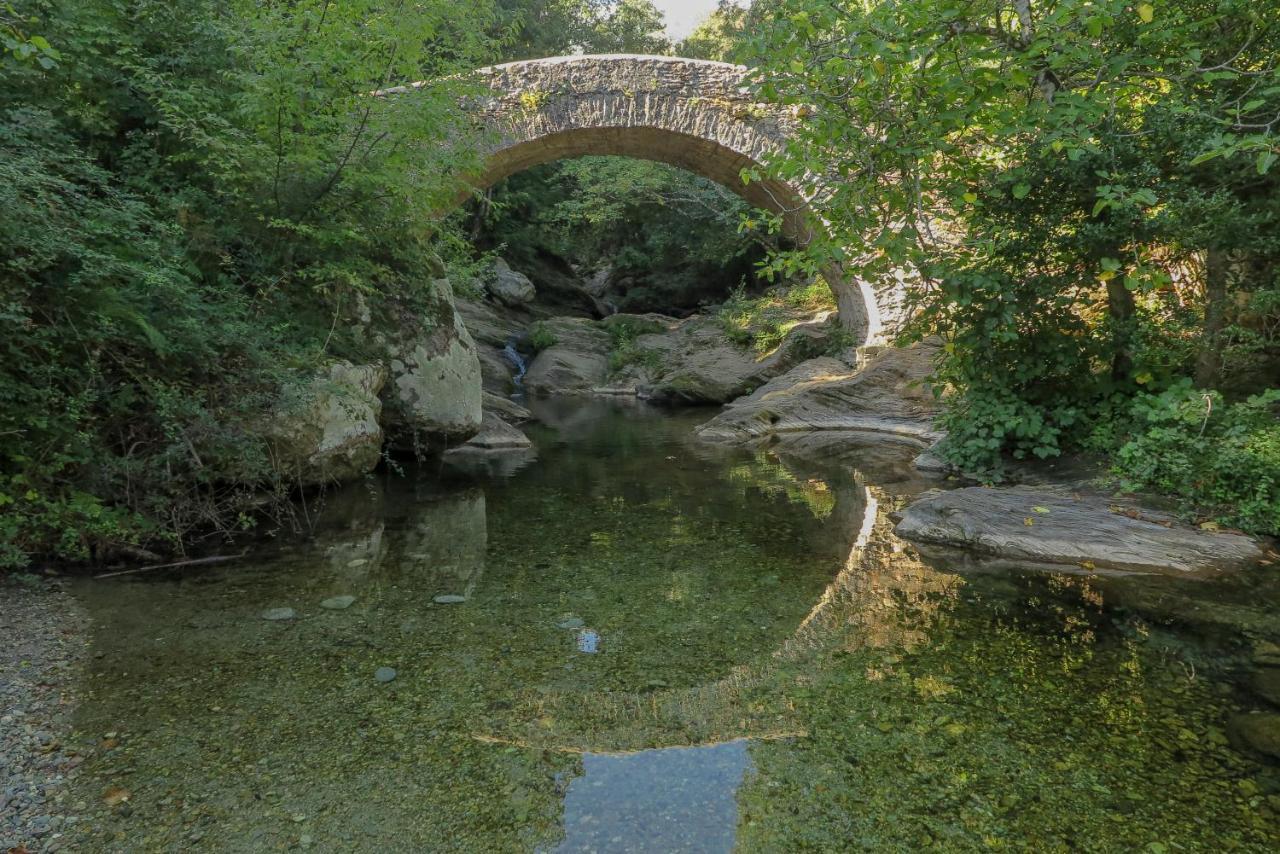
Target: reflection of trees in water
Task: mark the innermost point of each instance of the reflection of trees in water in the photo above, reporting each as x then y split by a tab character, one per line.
882	598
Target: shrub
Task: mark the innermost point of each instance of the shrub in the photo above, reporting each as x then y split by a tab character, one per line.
1223	459
541	337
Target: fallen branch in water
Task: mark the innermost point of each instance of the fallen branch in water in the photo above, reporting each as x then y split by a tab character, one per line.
192	562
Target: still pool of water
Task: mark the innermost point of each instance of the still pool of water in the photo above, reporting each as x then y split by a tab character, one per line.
647	643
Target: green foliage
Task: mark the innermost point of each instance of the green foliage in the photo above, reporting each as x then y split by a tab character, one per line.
1080	195
719	37
540	28
1223	459
671	239
623	351
201	202
541	337
763	322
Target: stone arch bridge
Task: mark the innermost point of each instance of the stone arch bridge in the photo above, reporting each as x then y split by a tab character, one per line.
693	114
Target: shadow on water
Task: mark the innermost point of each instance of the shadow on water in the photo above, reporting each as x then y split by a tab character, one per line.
638	642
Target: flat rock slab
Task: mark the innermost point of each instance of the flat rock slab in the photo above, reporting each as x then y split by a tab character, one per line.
338	603
1038	527
277	614
449	599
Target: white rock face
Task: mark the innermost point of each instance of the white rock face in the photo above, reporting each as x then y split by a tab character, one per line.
435	381
508	286
328	431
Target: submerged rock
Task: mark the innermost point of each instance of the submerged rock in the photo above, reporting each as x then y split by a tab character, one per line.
449	599
1259	732
1266	684
327	430
276	614
338	603
384	674
571	623
1039	527
888	395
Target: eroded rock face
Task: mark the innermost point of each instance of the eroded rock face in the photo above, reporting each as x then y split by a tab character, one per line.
435	389
888	395
576	363
328	431
508	286
1038	527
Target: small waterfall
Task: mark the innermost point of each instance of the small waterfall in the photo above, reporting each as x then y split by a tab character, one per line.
513	356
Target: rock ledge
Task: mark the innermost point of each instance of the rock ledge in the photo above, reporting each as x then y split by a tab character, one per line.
1034	526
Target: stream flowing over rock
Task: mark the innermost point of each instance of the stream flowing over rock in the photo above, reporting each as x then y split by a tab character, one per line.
435	389
888	395
1034	526
328	430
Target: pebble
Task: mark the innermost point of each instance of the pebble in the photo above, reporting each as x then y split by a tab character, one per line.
279	614
337	603
384	674
36	681
449	599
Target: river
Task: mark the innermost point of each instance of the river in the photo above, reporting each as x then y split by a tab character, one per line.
649	643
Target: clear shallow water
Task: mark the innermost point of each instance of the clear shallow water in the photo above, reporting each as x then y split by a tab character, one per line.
664	646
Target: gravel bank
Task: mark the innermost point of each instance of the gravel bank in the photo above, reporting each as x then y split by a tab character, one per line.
43	645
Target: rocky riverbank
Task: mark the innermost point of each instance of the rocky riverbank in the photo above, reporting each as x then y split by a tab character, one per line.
45	642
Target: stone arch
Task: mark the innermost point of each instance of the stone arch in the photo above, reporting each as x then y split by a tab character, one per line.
694	114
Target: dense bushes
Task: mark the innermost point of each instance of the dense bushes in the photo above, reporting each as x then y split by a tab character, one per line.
1083	196
1222	459
200	202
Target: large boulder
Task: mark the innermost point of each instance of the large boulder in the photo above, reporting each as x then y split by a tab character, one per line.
888	395
509	286
576	363
327	430
434	394
1024	525
695	362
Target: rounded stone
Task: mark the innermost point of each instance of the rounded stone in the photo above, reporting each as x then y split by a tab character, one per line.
1259	732
384	674
276	614
449	599
1266	684
337	603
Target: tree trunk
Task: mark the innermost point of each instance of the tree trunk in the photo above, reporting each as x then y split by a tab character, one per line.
1122	309
1209	363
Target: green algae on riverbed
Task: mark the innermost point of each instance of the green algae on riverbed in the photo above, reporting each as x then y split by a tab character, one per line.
753	600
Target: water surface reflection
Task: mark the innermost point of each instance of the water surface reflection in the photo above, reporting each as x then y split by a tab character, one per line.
640	641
